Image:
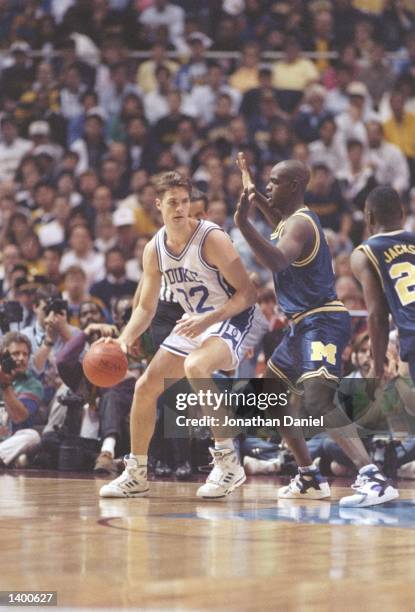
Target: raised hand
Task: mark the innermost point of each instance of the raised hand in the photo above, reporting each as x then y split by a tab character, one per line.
247	181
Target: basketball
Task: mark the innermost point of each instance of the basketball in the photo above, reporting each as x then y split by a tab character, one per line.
105	365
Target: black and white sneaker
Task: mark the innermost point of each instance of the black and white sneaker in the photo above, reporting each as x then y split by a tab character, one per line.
227	474
306	485
131	483
372	488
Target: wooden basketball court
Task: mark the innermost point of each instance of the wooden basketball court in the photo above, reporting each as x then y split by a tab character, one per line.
173	551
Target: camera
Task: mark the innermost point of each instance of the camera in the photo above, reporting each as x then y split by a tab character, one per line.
56	305
7	363
73	419
10	312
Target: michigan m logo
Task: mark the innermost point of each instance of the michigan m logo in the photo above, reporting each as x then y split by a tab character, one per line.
320	351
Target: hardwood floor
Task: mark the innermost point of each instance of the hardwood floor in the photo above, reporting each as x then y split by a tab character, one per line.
173	551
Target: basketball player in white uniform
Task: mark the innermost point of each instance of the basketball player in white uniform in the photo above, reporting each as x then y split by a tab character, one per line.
200	265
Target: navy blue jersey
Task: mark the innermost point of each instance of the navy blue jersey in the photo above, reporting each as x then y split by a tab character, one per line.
393	257
308	283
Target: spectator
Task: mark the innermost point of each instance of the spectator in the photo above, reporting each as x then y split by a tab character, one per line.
92	148
378	75
328	149
292	75
337	99
74	292
134	266
247	75
169	15
194	71
12	148
83	255
204	97
387	160
146	73
351	123
18	77
115	284
52	257
400	129
21	393
311	114
123	219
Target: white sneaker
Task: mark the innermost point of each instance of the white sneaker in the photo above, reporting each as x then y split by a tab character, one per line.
372	488
227	475
131	483
306	485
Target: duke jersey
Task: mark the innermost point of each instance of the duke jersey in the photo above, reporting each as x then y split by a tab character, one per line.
307	283
393	257
197	286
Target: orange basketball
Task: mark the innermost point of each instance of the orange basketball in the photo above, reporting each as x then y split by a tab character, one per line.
105	364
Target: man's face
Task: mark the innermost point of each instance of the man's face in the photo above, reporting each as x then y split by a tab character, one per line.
175	206
197	210
115	264
89	313
364	358
19	351
374	135
280	188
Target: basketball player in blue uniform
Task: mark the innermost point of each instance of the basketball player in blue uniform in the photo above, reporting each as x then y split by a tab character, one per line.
200	265
310	352
385	267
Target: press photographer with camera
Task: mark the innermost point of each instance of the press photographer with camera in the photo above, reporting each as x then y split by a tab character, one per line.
114	403
21	393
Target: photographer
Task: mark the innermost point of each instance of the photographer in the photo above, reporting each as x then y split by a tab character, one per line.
114	404
21	394
48	335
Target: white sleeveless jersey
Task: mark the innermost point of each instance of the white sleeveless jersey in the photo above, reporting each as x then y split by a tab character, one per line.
197	286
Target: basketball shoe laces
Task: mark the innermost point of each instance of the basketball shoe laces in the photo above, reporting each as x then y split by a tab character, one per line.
221	468
363	479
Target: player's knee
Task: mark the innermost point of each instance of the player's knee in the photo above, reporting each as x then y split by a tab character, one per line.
148	385
318	396
194	366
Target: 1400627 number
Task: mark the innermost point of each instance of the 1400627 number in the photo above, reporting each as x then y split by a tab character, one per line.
198	295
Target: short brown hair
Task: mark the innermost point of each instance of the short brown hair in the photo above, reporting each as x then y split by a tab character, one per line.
169	180
16	337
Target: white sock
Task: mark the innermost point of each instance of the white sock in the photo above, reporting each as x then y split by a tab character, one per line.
307	468
222	444
108	445
141	459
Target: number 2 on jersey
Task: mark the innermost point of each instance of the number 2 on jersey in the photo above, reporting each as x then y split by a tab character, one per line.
204	294
405	285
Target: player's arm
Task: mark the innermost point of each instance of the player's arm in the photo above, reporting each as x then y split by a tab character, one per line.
137	294
219	252
297	242
378	311
143	314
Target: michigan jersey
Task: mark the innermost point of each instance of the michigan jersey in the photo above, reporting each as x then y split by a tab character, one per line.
307	283
393	257
197	286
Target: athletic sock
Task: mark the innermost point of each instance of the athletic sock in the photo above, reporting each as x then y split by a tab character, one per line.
108	445
141	459
308	468
223	444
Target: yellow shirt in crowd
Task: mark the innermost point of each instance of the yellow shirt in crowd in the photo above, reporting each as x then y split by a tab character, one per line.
294	76
402	134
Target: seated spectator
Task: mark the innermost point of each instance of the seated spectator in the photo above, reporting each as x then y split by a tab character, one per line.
52	257
292	75
186	144
82	254
351	123
251	98
194	71
75	291
311	114
12	148
337	99
31	251
21	393
105	233
164	13
279	145
377	75
92	148
329	148
400	129
165	130
123	220
146	73
134	266
324	197
113	177
387	160
247	74
204	97
115	284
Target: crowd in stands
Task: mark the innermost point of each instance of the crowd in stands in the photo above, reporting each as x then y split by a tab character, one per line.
98	97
